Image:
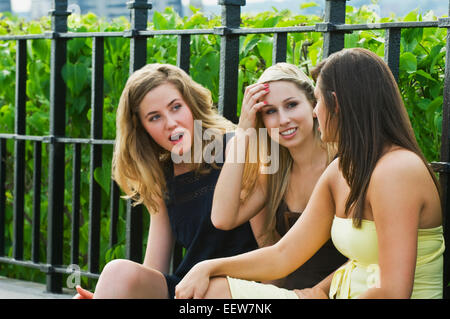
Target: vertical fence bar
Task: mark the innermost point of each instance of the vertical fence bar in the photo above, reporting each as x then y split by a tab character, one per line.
96	153
114	207
2	195
76	185
138	58
279	47
56	150
445	157
334	14
19	148
184	52
36	227
134	232
229	58
392	50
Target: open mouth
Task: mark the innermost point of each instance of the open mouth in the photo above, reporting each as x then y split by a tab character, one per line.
175	138
288	133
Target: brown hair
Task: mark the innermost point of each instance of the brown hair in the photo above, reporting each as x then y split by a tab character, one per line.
371	116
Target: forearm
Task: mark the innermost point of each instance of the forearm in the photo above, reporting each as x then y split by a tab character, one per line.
263	264
226	200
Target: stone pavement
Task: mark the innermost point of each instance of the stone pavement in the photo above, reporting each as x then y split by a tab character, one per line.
19	289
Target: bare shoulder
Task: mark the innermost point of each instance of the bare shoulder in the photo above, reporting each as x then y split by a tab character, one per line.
332	170
331	175
399	162
403	169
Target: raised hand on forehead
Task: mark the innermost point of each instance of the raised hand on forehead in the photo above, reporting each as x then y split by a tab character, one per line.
252	103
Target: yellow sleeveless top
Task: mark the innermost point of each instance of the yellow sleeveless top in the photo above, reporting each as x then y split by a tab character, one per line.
361	272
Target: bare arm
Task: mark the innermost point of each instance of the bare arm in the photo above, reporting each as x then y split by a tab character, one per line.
300	243
160	241
263	236
227	210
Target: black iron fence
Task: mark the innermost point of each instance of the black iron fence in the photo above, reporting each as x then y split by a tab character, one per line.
333	29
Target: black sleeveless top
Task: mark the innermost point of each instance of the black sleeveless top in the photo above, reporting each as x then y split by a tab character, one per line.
326	260
189	203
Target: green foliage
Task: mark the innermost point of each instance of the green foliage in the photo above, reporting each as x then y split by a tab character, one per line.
420	79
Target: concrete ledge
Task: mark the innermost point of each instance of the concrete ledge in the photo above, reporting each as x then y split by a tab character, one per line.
20	289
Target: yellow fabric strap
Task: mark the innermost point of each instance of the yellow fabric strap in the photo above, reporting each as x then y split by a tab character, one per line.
341	281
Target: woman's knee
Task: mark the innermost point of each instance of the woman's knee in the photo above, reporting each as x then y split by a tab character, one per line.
119	273
123	278
120	269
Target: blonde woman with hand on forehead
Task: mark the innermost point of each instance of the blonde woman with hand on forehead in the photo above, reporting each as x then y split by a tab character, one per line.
281	102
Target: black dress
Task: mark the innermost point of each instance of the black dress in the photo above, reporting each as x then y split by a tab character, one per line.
326	260
189	204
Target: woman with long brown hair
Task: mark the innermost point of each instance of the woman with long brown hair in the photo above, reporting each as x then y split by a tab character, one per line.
379	200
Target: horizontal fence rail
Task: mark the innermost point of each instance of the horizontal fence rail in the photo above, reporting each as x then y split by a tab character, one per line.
56	144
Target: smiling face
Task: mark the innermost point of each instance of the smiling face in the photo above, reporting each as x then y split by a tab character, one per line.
167	118
289	110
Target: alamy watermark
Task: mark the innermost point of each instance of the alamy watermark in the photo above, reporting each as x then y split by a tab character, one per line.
212	151
373	279
74	279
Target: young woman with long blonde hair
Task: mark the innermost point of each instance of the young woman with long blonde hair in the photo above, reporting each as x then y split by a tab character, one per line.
282	103
155	163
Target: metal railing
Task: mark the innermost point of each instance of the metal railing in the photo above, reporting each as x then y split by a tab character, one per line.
333	29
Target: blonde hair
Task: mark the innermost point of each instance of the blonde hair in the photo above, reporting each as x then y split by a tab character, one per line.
277	183
138	161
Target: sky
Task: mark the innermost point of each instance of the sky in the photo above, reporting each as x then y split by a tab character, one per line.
20	5
400	7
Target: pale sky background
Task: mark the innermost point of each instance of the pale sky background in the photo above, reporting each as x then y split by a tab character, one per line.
24	5
440	7
20	5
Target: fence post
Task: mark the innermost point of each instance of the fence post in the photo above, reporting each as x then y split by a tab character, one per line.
58	58
138	58
229	58
19	148
392	50
96	152
184	52
2	195
333	41
279	49
445	157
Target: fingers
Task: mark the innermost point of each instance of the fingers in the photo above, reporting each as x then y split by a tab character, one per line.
251	104
311	293
254	93
83	293
182	293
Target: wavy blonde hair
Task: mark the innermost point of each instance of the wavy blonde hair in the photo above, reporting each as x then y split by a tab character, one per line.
277	183
138	161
